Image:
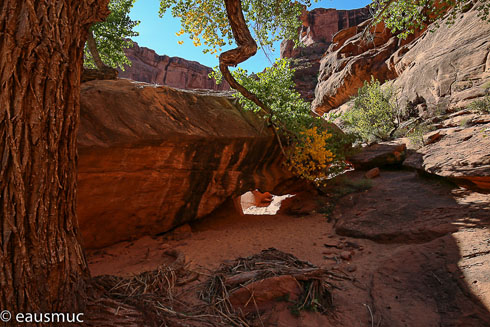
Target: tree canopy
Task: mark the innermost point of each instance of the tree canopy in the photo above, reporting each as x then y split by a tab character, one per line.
112	36
404	17
206	21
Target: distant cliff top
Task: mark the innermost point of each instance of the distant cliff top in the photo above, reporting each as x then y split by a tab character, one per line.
317	31
320	25
147	66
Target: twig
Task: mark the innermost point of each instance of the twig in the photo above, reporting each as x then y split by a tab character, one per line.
378	15
371	314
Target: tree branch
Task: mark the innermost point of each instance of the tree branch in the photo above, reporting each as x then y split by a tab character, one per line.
247	47
92	46
375	18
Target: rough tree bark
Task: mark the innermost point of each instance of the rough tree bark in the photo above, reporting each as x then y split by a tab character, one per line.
42	265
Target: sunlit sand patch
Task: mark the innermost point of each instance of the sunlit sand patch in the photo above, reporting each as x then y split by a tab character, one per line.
251	203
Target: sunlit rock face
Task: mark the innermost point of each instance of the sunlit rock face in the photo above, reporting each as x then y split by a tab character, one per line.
460	154
442	69
318	28
147	66
152	158
445	69
351	60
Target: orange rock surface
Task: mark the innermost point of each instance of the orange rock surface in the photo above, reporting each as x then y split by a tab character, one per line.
152	158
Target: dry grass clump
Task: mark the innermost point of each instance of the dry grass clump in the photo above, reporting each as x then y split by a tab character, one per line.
169	295
316	295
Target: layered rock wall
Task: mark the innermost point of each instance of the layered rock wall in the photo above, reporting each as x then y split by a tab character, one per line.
147	66
318	28
352	59
433	73
444	69
152	158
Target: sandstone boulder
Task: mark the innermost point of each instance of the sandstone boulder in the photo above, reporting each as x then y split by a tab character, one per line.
147	66
152	158
379	155
462	154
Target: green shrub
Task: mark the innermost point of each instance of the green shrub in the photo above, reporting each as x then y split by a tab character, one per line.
313	150
481	105
416	134
374	115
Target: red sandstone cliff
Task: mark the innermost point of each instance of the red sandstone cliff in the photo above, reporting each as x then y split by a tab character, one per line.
147	66
434	73
319	27
444	68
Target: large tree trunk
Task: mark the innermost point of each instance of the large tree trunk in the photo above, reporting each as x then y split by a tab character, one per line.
42	265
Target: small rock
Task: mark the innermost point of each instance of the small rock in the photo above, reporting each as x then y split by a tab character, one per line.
265	293
262	199
452	268
333	245
352	245
433	137
346	255
351	268
372	173
180	233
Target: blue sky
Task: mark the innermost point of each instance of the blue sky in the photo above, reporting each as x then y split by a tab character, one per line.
159	33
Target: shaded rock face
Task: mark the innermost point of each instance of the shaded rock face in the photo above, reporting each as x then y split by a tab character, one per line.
379	155
152	158
147	66
435	273
445	68
422	211
319	27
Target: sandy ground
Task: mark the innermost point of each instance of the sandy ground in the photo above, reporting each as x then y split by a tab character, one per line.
416	250
226	235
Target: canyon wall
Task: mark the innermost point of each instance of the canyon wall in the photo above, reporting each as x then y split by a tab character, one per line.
147	66
444	67
317	31
435	74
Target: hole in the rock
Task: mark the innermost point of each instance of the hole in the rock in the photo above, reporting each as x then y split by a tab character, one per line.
258	203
